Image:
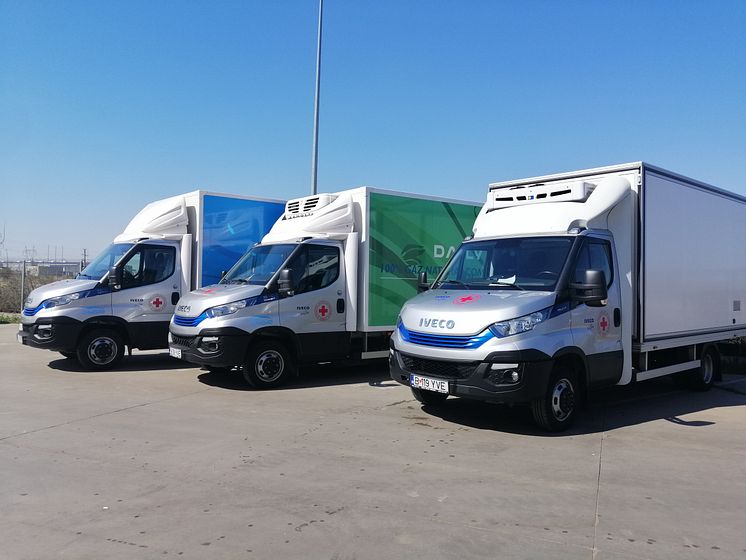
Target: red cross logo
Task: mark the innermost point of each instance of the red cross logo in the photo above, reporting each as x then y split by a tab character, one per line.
157	302
604	323
466	299
322	310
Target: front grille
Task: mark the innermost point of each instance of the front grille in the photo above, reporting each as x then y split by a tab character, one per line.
443	340
438	368
185	341
190	321
31	311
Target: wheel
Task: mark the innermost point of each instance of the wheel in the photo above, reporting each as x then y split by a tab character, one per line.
69	355
701	379
268	364
429	397
557	409
100	349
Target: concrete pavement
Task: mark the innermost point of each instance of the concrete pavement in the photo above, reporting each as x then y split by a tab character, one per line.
158	460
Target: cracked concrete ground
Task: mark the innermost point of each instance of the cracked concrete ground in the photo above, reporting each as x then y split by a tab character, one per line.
158	460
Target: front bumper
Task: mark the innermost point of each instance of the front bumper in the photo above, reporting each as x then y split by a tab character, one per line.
477	379
59	334
223	347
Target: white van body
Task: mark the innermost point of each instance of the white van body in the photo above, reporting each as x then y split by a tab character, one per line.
518	329
169	248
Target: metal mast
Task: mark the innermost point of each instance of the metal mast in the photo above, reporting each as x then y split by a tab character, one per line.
315	160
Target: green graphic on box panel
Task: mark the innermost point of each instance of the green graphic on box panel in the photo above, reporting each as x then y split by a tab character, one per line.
409	235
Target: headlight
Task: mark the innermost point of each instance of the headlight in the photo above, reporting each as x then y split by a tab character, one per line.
502	329
227	309
231	308
63	300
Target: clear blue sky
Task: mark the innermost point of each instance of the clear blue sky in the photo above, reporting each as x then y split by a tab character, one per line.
105	106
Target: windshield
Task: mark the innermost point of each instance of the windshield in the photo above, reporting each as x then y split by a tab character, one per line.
523	263
259	264
104	261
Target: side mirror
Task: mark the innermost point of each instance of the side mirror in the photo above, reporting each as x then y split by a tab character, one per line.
592	290
115	278
422	284
285	283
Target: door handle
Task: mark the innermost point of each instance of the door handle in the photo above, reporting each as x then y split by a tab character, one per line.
617	316
175	298
340	305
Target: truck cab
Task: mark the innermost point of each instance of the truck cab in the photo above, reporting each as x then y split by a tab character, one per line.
288	300
124	297
521	314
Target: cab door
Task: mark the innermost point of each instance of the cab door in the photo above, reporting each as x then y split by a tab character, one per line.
147	295
597	331
317	309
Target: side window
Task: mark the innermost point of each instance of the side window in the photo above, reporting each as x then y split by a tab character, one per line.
150	265
315	267
600	256
132	271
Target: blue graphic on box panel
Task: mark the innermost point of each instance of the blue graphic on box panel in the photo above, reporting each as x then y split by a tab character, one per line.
230	227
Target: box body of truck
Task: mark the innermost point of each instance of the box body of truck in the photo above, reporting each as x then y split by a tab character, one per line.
223	227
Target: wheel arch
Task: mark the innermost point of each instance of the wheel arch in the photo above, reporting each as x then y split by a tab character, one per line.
573	357
106	322
284	335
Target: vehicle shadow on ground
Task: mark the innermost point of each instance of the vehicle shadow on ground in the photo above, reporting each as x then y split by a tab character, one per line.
133	364
323	375
615	408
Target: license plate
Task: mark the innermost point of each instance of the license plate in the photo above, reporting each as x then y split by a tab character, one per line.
437	385
19	337
175	352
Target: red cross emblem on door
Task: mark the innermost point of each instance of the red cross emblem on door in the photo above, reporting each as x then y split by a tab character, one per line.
157	303
322	311
603	322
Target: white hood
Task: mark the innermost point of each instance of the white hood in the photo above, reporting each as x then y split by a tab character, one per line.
56	289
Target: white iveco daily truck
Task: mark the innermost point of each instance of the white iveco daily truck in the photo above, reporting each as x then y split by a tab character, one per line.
127	294
579	281
326	283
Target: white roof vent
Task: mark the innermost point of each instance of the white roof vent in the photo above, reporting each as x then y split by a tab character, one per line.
307	205
504	197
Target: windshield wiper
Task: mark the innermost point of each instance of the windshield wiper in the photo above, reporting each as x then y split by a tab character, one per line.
453	281
237	281
507	284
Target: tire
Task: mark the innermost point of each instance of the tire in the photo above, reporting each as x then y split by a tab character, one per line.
702	378
557	409
429	397
70	355
100	349
268	365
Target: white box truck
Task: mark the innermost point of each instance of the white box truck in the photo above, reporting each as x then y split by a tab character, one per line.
326	283
125	297
579	281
